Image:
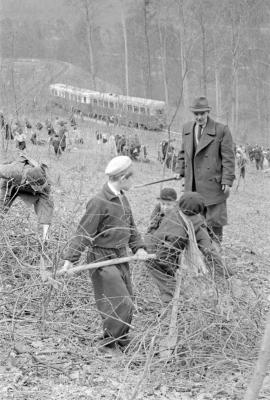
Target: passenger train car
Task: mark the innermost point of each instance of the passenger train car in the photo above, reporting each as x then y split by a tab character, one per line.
122	110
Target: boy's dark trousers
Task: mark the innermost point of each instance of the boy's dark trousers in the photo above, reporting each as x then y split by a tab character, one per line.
113	293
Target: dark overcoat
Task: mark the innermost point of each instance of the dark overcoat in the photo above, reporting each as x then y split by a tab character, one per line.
213	164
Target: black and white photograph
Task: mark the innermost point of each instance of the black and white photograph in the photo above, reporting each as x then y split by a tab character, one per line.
134	199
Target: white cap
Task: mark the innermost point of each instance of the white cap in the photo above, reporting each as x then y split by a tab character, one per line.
118	165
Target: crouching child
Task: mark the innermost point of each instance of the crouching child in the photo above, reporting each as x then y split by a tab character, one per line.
173	235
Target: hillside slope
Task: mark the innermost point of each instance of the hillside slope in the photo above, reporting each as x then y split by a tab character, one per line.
24	82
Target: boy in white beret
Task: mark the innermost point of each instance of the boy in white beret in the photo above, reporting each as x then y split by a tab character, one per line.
108	229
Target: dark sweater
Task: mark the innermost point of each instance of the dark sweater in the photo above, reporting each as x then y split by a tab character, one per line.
107	223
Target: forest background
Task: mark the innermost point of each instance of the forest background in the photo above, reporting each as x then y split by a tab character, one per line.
171	50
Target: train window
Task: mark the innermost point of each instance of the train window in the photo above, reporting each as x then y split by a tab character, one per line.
129	106
100	102
111	104
136	109
84	99
142	110
95	101
105	104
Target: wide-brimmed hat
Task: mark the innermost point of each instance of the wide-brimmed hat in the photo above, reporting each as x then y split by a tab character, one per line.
200	104
168	194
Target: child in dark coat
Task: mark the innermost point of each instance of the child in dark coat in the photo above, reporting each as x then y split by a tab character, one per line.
171	238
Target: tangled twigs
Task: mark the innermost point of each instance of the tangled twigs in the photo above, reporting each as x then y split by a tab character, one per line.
260	371
167	344
145	370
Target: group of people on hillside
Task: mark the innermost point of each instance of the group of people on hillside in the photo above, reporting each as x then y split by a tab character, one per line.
23	131
107	229
259	154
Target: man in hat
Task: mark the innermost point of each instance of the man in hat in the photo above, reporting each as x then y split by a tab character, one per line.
207	162
108	230
26	179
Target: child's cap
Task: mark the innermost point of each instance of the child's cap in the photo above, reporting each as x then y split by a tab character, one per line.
118	165
192	203
168	194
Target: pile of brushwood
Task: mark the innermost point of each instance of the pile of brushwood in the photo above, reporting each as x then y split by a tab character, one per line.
51	328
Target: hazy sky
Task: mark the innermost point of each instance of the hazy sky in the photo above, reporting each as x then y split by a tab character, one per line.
38	9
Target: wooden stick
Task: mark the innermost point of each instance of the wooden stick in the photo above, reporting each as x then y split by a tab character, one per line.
105	263
260	371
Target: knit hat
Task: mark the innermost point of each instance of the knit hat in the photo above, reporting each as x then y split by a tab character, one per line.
168	194
192	203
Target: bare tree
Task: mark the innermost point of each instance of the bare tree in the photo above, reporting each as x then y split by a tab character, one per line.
124	31
145	5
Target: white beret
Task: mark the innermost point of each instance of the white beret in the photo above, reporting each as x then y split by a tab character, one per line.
118	165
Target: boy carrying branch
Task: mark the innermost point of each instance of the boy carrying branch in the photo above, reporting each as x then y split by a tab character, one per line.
108	229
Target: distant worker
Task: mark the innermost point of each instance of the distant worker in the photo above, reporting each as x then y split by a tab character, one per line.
59	139
27	179
104	138
98	136
20	139
33	137
112	146
259	157
72	120
78	139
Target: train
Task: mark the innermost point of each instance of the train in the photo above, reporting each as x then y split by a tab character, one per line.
119	109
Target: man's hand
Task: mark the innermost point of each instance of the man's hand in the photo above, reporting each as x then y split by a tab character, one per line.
177	177
141	254
226	189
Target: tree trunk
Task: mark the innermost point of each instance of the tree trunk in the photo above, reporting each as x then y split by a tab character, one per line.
148	54
89	43
162	41
237	104
124	30
204	71
183	65
217	80
262	364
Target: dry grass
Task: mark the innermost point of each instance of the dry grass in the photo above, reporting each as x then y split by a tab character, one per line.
48	335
